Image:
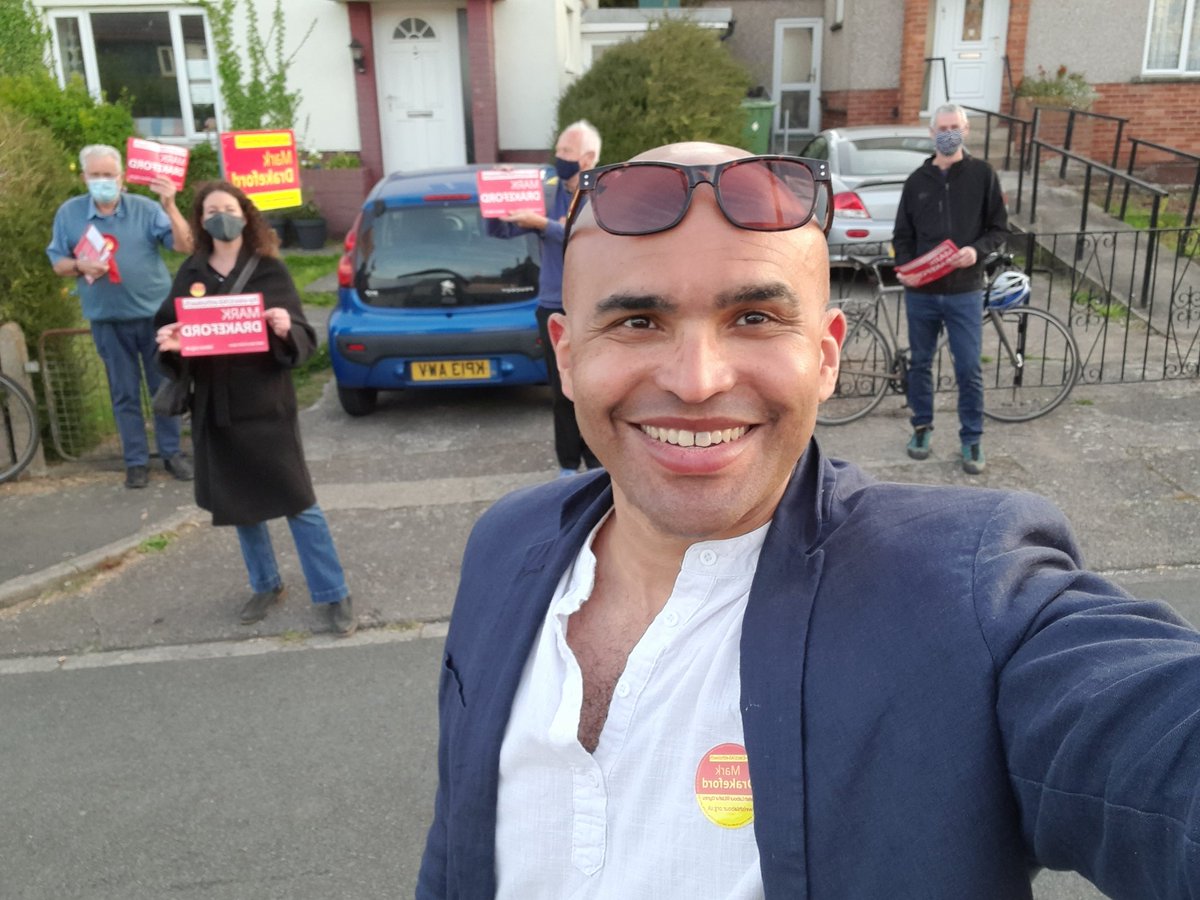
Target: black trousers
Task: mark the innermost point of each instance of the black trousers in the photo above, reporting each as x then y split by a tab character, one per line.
569	446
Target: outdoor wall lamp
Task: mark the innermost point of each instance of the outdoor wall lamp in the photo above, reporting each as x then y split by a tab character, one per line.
359	55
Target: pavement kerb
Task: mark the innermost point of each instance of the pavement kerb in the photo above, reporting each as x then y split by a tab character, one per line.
24	587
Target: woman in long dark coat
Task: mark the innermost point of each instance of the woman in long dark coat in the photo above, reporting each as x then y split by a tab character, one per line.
245	433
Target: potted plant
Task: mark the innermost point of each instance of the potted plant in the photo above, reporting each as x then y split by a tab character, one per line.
308	225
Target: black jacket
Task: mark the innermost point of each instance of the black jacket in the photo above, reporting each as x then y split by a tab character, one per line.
965	205
245	432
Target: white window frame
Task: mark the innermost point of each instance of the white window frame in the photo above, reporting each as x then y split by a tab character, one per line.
1191	10
91	70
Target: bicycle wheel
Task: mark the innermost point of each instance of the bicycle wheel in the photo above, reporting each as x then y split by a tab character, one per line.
1031	362
866	369
18	429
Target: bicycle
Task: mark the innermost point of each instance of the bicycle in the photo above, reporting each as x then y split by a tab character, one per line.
19	435
1031	360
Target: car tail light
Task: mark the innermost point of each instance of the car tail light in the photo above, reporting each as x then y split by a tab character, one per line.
849	205
356	348
857	233
345	269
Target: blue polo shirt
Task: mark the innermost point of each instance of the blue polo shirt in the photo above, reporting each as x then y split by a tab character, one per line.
137	226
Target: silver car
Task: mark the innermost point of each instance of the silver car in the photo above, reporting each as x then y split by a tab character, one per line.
869	165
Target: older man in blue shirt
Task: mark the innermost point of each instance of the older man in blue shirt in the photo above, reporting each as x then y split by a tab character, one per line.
121	295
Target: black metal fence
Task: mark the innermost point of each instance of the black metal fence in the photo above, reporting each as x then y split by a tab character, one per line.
1131	299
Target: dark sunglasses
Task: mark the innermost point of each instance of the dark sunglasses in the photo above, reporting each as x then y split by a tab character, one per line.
759	193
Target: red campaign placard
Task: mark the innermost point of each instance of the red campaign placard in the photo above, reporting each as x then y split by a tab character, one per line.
503	192
225	323
263	165
145	159
932	265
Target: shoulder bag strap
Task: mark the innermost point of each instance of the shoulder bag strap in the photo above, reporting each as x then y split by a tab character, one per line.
244	275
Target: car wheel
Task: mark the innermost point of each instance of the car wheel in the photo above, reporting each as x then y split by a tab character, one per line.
357	401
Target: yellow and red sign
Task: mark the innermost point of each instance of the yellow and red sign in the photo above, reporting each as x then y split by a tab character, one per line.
723	786
264	165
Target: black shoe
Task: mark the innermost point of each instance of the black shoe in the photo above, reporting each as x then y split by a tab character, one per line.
256	607
179	466
341	617
137	477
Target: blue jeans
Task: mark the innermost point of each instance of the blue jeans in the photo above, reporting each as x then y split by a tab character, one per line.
127	348
962	315
314	546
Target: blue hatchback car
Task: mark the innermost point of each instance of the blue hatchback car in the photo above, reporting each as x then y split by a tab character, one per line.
427	298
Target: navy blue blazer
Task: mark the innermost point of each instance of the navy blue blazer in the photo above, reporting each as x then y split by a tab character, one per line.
936	699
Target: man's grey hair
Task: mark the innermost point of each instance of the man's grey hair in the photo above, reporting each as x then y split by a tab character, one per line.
948	108
99	150
591	137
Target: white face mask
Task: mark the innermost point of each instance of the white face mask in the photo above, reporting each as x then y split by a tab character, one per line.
103	190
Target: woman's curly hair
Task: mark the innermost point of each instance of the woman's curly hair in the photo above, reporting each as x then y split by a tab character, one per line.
257	237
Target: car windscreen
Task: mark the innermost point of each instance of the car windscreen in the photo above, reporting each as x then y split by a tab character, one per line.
442	256
888	155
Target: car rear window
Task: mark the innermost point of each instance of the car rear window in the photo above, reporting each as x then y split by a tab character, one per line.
427	256
884	155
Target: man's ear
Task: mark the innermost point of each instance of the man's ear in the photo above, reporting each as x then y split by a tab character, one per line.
831	351
557	326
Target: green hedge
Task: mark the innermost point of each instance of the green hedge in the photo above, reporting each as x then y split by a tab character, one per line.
677	83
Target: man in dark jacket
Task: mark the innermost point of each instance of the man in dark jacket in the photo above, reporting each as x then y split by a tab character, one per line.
727	666
952	196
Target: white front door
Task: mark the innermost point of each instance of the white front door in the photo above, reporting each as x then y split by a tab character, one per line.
420	96
797	77
970	36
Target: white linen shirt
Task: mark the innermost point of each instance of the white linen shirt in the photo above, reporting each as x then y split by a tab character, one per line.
626	821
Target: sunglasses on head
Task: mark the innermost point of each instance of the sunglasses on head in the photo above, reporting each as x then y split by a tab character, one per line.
758	193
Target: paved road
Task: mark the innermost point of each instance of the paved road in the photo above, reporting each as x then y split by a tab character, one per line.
173	753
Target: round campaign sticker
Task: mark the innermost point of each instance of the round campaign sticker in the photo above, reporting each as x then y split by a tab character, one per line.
197	289
723	786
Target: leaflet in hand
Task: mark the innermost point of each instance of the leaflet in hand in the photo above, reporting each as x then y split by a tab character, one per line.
146	159
930	266
503	192
93	247
220	324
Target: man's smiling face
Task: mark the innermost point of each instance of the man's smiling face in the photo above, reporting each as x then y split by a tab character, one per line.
696	358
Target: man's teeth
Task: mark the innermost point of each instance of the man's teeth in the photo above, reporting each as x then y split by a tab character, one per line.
683	438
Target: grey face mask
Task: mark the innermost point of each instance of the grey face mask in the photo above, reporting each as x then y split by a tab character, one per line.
948	142
224	226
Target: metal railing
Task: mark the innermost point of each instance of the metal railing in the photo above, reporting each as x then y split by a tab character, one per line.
1139	142
1022	142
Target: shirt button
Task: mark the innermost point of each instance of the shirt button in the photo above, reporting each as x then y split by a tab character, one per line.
622	689
672	619
708	557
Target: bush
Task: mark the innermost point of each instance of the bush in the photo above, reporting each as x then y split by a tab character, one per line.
23	38
73	117
34	183
678	83
1061	89
203	165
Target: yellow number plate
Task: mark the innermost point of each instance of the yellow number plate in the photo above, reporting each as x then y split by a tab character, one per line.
452	370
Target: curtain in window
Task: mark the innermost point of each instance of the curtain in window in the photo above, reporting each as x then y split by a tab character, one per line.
1166	33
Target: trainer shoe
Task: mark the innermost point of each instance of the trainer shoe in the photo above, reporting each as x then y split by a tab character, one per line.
919	443
137	477
179	466
341	617
256	607
973	461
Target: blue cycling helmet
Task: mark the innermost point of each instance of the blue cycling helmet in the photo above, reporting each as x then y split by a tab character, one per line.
1008	289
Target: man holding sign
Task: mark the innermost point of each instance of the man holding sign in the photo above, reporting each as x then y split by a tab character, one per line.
578	148
951	205
108	241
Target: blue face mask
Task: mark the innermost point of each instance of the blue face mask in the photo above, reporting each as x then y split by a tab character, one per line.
948	142
565	169
103	190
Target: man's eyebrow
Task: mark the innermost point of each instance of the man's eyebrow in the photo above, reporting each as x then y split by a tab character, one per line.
634	303
767	292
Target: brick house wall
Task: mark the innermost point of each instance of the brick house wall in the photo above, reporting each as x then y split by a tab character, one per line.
863	107
1164	112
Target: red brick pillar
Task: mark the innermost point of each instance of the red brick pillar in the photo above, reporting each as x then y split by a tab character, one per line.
481	53
1014	47
912	58
365	93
